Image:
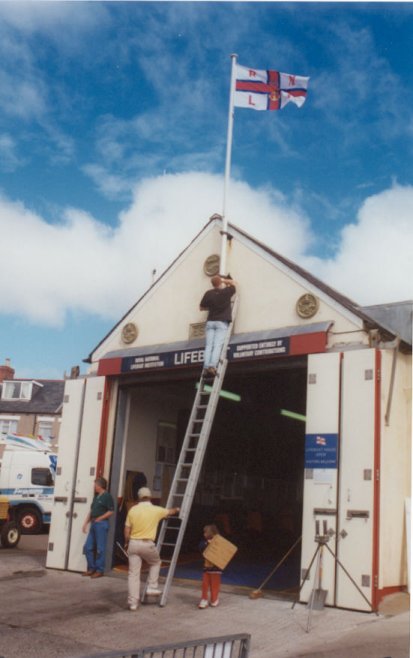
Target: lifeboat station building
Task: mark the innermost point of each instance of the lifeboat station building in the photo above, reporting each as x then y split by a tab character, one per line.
311	435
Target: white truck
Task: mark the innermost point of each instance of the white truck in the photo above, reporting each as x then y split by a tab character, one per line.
27	475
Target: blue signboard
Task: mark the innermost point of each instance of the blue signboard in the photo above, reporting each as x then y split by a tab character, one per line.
163	360
321	450
269	348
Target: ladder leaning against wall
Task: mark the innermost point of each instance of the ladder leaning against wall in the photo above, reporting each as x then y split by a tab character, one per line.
189	464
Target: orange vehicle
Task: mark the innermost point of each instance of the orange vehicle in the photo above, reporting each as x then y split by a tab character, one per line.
9	530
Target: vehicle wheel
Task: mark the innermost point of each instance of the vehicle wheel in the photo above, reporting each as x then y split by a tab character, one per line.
10	535
29	521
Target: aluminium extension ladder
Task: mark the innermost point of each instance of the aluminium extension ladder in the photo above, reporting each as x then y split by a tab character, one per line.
189	464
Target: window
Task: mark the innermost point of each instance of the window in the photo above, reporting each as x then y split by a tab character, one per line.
166	443
17	390
42	477
45	430
8	425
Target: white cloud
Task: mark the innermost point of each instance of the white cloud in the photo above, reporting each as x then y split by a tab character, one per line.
9	159
22	97
61	20
373	264
110	185
82	265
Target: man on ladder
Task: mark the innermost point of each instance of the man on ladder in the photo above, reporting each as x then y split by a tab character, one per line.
218	304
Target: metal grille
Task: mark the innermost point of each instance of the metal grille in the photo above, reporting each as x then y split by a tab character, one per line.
227	646
4	509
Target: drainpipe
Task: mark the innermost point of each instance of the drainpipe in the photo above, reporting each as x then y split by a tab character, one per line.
392	379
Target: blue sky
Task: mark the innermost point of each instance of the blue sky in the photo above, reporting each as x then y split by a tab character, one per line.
113	120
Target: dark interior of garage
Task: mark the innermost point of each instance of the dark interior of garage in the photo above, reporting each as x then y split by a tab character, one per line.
252	479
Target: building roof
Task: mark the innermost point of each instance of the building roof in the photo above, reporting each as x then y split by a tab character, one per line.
397	316
369	319
46	399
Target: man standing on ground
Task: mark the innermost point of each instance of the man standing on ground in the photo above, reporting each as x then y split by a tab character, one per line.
218	304
140	533
95	547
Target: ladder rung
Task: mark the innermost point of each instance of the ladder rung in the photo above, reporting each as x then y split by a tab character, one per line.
182	479
195	435
165	543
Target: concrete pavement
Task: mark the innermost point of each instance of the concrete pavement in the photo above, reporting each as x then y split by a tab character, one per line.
47	614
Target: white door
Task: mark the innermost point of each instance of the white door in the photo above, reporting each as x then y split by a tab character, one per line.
69	434
320	475
357	479
86	469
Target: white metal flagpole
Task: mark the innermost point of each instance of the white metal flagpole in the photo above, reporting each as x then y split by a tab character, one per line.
223	259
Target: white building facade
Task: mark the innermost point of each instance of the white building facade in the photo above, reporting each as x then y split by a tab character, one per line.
340	464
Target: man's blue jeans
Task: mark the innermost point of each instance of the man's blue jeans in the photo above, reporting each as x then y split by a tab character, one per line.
95	546
215	331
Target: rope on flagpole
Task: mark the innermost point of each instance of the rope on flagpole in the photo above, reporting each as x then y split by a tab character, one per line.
224	232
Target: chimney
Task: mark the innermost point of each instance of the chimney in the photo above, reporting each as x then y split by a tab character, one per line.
6	371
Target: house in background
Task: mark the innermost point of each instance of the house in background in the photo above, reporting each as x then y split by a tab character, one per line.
31	407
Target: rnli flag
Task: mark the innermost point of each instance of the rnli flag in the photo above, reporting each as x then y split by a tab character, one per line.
268	90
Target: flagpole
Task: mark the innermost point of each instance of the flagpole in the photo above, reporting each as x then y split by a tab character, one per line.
224	232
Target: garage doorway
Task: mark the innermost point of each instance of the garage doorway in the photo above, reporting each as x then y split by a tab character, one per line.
251	484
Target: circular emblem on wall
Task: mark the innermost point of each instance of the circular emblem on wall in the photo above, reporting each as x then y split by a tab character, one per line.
129	332
307	305
211	265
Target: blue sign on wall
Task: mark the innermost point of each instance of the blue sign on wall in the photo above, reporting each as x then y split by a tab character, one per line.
321	450
269	348
163	360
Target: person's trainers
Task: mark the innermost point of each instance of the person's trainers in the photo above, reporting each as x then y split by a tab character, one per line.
133	608
153	591
214	604
203	604
97	574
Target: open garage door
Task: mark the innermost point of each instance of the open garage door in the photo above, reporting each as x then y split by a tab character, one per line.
76	471
320	483
358	479
341	475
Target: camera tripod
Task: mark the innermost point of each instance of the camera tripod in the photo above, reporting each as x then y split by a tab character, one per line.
318	596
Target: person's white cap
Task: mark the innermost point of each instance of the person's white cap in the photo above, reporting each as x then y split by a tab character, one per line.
144	492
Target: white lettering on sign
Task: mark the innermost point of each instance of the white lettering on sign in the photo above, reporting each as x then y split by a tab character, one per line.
142	362
242	355
263	348
247	346
194	356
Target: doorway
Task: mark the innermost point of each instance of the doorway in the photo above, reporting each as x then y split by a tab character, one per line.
251	484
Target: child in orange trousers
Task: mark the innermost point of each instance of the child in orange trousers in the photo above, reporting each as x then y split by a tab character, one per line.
211	578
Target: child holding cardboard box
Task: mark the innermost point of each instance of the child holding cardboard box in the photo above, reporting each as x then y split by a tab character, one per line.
211	578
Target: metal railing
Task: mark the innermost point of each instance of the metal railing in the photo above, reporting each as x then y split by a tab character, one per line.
226	646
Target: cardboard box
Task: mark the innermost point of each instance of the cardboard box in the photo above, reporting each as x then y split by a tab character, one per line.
220	551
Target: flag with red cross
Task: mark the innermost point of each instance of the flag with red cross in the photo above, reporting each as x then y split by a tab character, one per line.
268	90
